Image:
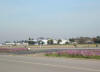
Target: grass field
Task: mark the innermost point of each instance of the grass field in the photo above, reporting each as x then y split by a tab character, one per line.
89	54
55	46
65	46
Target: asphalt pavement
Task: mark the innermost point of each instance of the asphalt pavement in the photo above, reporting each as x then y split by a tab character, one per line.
16	63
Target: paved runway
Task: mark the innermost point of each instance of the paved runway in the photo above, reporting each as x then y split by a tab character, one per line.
47	64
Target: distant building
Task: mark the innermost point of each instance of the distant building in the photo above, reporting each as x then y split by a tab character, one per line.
83	40
45	42
9	43
35	42
64	42
89	42
16	44
55	41
21	44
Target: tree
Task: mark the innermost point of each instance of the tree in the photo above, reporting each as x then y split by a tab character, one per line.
50	42
82	40
67	43
40	42
30	38
72	40
58	42
26	41
31	42
97	39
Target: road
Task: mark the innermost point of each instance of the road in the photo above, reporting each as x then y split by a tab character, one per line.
46	64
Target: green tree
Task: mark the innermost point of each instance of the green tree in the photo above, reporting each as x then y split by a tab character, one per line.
72	40
50	42
97	39
31	42
40	42
58	42
30	38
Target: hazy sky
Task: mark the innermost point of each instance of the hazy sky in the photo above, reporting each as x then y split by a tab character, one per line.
20	19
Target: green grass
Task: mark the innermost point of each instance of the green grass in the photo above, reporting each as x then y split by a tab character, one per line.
65	46
72	56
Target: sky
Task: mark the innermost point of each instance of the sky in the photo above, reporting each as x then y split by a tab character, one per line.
21	19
